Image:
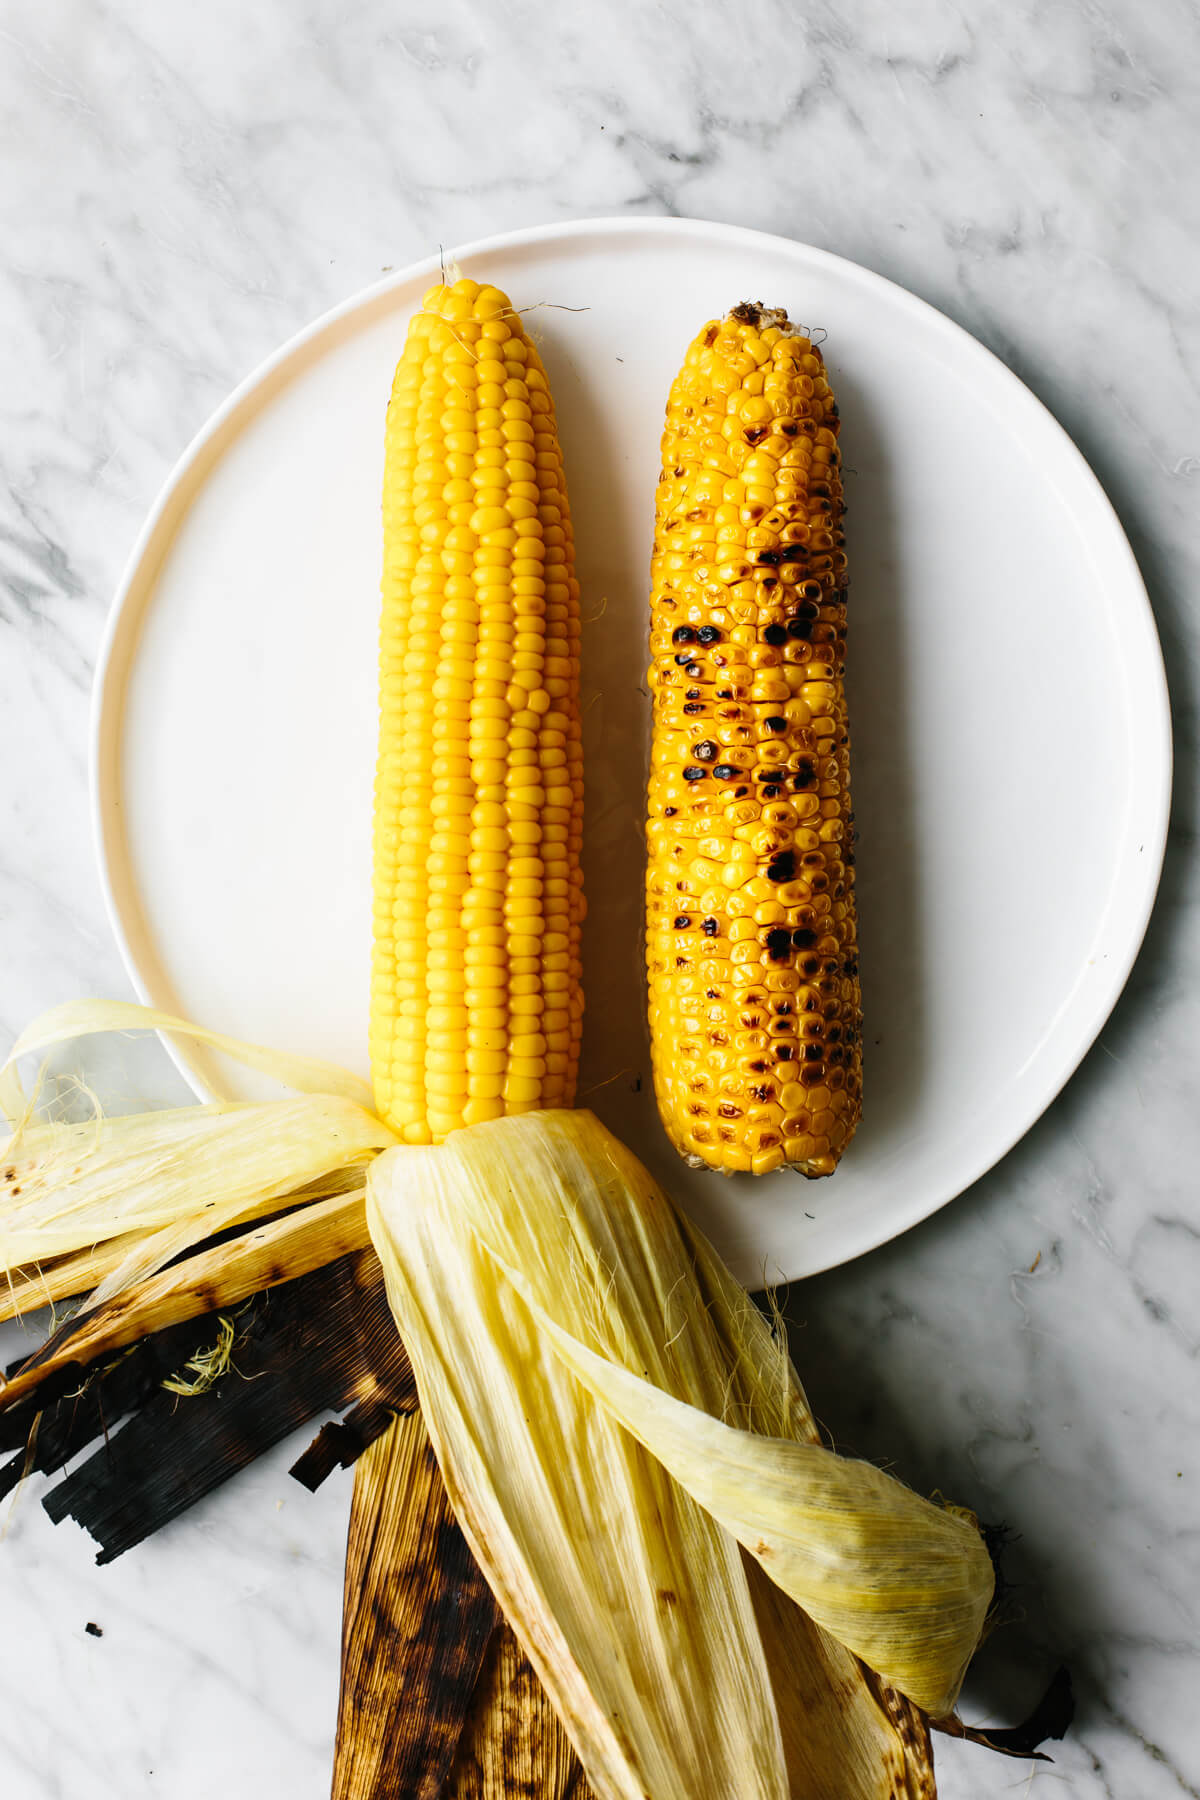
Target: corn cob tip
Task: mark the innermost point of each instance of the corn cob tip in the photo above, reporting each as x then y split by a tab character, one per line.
763	318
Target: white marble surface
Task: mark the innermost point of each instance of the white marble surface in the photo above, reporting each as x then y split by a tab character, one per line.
184	186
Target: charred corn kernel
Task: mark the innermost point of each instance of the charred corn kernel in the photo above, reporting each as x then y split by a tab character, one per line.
751	935
477	904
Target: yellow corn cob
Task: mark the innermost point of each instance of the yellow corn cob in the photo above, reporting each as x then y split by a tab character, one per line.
476	998
476	1003
751	938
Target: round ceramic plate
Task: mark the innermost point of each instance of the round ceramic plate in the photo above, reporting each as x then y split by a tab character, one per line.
1011	738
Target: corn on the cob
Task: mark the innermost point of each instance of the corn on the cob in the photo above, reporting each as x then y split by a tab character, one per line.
476	1002
751	941
476	996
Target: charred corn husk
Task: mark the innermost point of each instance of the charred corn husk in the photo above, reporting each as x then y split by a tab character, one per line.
476	1001
751	939
406	1684
613	1420
260	1258
513	1746
201	1400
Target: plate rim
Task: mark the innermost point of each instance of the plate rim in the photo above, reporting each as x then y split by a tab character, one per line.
1150	797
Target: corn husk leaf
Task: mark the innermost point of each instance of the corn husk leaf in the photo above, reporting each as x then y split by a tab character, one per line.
846	1734
223	1276
417	1620
86	1018
56	1425
324	1341
628	1599
513	1746
550	1299
904	1584
62	1277
80	1277
845	1731
119	1198
436	1696
167	1180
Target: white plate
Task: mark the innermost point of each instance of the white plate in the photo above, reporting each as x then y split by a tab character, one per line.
1011	737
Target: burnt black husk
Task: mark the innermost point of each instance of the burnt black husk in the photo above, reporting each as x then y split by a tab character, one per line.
321	1343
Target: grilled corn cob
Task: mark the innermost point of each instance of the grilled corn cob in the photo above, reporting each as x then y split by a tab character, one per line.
751	937
476	1003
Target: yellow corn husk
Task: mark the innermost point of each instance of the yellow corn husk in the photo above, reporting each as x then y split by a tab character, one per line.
24	1290
85	1018
846	1734
550	1300
755	1022
845	1731
199	1168
476	998
283	1248
630	1613
121	1197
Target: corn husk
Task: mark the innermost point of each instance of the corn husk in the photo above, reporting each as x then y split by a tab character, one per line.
77	1019
296	1239
436	1696
166	1179
699	1632
259	1259
845	1731
62	1277
119	1198
902	1583
322	1342
417	1621
598	1395
846	1734
513	1746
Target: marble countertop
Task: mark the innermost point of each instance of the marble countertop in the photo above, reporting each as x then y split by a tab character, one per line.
183	188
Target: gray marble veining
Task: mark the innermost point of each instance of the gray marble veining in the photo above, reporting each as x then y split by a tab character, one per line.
185	186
